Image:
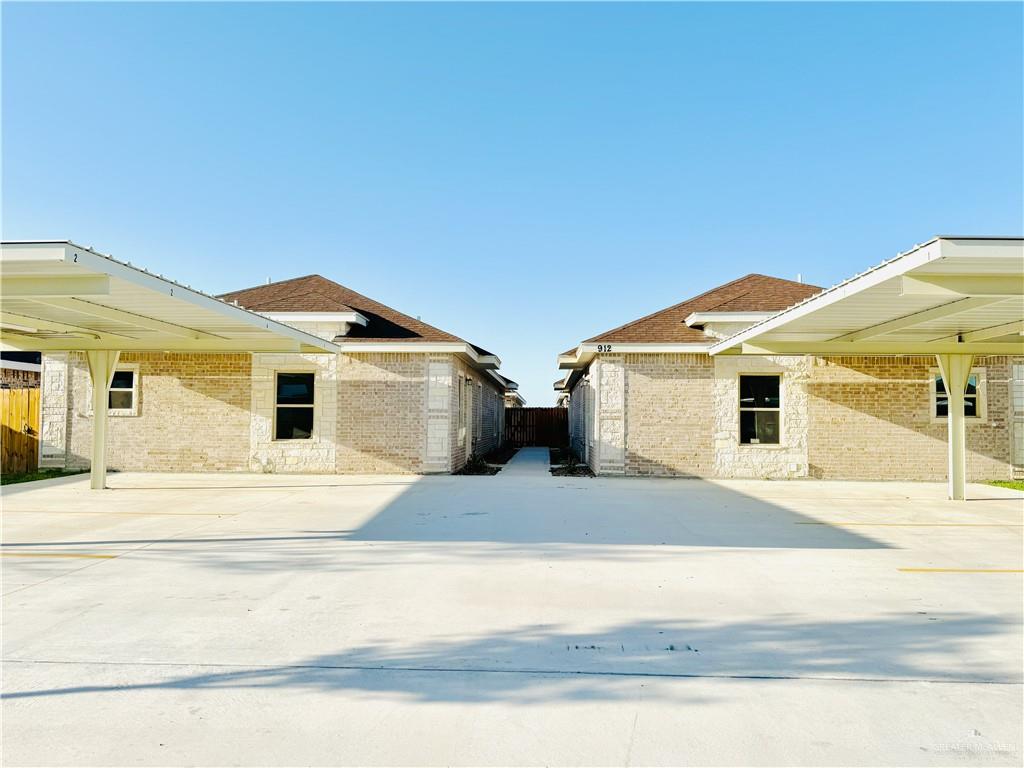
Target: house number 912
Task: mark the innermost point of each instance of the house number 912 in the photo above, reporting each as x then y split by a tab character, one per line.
604	347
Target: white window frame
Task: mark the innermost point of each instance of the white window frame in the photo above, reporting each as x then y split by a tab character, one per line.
275	405
133	368
740	409
933	391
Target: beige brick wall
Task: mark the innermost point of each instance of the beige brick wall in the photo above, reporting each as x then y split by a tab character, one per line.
669	414
382	413
871	418
192	414
848	418
579	418
490	418
210	412
474	393
12	378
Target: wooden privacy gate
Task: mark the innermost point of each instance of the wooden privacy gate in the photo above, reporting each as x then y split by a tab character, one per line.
537	426
19	443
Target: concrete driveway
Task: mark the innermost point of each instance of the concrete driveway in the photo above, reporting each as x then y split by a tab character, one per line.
522	619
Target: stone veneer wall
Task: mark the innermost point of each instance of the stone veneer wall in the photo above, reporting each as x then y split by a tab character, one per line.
669	414
192	413
54	414
610	414
439	404
382	413
871	418
315	455
789	457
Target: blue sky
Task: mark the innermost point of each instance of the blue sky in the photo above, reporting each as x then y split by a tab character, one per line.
522	175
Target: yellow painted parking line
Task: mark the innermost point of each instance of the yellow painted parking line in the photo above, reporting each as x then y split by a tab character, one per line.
959	570
921	525
57	554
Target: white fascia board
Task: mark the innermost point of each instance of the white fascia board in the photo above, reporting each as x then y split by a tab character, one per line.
442	347
316	317
92	261
586	352
64	343
700	318
895	267
509	387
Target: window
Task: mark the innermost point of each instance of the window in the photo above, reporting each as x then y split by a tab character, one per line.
974	396
293	411
123	394
759	410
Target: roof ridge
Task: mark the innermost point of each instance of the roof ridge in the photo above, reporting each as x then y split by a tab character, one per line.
275	282
396	311
673	306
728	299
313	292
316	284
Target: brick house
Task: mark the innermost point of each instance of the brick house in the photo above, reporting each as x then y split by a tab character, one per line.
647	398
400	397
19	370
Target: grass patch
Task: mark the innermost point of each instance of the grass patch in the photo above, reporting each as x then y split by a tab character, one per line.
38	474
1017	485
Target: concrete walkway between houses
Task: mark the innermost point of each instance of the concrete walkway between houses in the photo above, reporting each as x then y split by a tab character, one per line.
529	462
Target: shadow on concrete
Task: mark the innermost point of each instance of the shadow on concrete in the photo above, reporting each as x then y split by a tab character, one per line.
594	511
546	511
546	663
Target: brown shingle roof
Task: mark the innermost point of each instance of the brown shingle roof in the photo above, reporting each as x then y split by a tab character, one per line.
314	293
753	293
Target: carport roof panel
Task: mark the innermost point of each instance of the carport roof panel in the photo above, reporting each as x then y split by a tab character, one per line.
62	296
950	290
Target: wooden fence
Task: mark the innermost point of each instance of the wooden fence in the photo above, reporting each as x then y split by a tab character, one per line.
537	426
19	441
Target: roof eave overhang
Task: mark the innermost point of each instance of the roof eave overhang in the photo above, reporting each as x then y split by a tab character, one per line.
701	318
317	317
585	353
461	349
507	385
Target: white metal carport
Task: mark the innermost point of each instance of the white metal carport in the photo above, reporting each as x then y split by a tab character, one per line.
59	296
952	297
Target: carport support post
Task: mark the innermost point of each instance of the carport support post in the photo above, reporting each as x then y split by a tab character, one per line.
101	371
955	370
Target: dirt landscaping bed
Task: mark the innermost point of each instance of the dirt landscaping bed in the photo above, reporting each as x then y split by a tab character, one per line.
489	464
565	463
